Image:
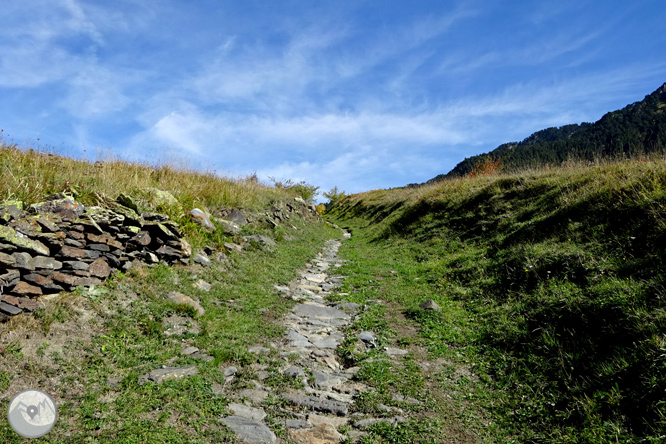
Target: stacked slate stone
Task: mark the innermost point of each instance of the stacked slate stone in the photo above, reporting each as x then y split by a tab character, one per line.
61	244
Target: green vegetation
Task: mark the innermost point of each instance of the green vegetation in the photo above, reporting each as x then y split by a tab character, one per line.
30	176
551	283
636	130
119	332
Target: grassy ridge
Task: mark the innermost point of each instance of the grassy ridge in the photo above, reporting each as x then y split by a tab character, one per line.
31	176
122	329
560	277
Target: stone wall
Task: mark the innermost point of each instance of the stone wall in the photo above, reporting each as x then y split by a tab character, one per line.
61	244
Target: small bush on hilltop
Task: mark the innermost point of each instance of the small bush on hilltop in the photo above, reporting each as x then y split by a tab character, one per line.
334	195
304	190
488	167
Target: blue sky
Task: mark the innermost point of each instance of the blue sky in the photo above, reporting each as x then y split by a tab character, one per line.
358	94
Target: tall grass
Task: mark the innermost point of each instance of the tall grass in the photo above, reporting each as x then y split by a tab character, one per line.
563	271
30	176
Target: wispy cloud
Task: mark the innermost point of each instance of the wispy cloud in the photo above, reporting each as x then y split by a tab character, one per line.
357	95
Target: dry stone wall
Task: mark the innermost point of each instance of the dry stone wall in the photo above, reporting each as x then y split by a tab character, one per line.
61	244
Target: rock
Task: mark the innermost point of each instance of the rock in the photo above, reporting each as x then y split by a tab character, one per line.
189	351
335	421
294	372
203	285
367	337
202	219
246	412
151	258
297	340
9	309
7	248
180	298
142	239
71	252
229	371
99	268
326	343
201	258
22	303
25	289
128	202
47	263
297	424
321	434
319	312
236	217
48	222
228	227
75	265
104	217
182	245
249	431
314	403
396	351
299	200
164	374
202	356
10	209
98	247
88	224
10	236
46	283
10	278
67	208
430	305
259	238
7	261
73	243
324	381
255	395
23	261
160	230
233	247
169	252
162	199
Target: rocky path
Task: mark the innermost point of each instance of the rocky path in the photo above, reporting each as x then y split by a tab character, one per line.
314	329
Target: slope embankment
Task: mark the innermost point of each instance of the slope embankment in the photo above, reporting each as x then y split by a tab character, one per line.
552	287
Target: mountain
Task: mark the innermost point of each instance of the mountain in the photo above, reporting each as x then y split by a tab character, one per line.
639	128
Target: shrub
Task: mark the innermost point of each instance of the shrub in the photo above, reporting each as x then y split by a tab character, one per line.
488	167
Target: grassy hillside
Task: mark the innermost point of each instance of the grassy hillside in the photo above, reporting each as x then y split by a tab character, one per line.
552	286
89	348
637	129
30	176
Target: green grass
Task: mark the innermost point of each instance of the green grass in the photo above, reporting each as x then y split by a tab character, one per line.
552	289
130	341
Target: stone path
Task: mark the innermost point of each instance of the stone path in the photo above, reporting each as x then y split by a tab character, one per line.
314	330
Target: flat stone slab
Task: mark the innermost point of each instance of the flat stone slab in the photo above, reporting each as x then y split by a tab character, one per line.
254	395
249	431
246	412
326	343
164	374
318	404
321	434
319	312
391	351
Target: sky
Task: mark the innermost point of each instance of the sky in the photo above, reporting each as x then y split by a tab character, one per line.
361	94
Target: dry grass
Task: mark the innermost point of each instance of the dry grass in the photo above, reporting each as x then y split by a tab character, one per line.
578	178
30	176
